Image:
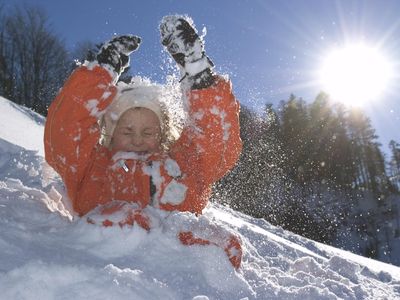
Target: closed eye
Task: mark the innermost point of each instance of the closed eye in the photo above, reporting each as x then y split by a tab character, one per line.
149	133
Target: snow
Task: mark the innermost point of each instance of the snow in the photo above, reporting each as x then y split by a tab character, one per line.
91	106
175	193
21	126
47	253
172	168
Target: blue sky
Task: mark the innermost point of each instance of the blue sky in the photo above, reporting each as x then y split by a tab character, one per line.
270	49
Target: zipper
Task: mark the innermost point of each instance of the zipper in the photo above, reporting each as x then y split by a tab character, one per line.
123	165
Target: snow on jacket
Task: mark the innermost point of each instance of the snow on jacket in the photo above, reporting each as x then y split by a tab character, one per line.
178	180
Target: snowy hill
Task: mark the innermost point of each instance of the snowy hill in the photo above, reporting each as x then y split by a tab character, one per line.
21	126
47	254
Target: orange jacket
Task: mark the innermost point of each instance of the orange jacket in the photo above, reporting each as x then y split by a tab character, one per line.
206	150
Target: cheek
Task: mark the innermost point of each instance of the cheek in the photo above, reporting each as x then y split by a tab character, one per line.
154	144
119	142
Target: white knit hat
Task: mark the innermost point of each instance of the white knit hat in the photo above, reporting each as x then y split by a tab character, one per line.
132	97
164	100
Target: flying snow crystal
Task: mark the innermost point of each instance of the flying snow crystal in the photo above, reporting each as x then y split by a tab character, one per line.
225	125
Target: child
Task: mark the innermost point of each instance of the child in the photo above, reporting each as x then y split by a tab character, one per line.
115	146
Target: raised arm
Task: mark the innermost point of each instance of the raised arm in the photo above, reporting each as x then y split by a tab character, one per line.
214	129
71	130
213	133
210	145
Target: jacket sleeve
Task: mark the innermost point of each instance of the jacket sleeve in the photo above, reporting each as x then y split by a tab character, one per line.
210	145
71	130
214	130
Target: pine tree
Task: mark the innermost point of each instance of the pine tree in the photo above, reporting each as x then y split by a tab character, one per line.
344	169
371	173
322	137
394	164
307	132
295	138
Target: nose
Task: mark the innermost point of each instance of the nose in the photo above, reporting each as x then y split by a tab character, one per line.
137	140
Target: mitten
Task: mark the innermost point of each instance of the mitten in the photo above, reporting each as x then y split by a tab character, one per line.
183	43
115	53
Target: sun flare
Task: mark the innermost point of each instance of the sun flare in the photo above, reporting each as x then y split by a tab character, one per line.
355	75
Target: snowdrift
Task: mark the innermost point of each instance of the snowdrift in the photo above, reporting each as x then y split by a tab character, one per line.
46	253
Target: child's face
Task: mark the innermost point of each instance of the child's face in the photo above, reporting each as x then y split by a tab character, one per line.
138	130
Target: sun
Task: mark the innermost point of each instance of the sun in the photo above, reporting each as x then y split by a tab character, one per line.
356	74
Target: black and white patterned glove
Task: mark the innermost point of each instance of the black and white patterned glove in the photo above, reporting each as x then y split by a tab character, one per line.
115	53
186	47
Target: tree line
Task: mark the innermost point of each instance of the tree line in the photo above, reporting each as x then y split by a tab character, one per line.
34	61
314	169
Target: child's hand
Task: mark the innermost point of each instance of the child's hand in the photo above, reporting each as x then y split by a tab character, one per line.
180	39
115	53
183	43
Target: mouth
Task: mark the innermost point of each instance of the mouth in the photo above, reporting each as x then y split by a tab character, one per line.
141	152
